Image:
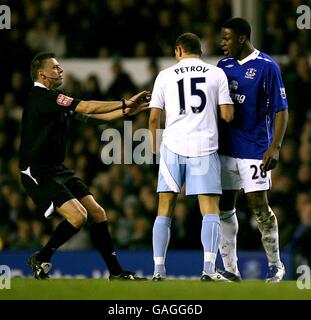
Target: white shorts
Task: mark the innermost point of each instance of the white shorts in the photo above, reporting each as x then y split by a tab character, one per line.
201	175
244	174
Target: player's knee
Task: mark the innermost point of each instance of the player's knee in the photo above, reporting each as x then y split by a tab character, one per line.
225	206
227	201
97	214
101	212
166	205
262	214
257	203
79	218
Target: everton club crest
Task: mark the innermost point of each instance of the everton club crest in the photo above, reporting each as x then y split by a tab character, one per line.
250	73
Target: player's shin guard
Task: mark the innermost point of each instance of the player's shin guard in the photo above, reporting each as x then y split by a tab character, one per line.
161	234
210	237
268	226
229	227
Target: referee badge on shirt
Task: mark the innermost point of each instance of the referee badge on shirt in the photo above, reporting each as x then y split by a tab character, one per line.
250	73
63	100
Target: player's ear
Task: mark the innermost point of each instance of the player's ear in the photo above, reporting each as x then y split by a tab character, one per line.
178	51
42	75
242	39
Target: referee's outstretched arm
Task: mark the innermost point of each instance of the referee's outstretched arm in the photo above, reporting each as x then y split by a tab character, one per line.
98	118
92	106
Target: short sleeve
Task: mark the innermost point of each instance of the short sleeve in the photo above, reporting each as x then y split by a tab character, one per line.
157	97
223	89
54	101
274	88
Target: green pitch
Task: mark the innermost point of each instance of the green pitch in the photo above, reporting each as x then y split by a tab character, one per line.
95	289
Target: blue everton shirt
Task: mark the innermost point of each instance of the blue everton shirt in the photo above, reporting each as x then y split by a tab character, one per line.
258	92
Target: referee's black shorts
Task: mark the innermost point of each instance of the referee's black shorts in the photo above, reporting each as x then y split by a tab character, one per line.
52	184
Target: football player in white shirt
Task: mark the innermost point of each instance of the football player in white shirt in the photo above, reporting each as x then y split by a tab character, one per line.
191	92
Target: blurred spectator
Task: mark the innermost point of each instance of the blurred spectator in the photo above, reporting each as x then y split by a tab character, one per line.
141	238
210	41
305	152
122	85
181	235
153	70
55	42
19	87
274	33
288	155
126	224
24	239
297	86
166	34
141	49
113	218
285	229
36	37
92	89
148	200
300	242
72	86
304	177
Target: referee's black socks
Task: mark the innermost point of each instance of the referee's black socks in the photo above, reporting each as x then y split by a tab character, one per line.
62	233
101	240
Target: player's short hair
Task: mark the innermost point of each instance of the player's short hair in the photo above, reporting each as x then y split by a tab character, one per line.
38	62
239	26
190	42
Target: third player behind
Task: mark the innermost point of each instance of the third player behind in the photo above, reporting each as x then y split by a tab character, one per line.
250	145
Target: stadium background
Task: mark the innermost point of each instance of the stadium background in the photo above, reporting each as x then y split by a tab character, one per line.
127	42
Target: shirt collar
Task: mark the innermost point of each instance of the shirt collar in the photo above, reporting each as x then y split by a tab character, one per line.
189	60
39	84
251	56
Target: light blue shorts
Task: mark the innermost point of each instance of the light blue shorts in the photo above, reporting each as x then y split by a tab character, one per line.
201	175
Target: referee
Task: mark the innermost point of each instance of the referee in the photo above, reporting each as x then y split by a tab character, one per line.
53	187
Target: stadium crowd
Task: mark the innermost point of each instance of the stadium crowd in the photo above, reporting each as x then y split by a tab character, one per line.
128	192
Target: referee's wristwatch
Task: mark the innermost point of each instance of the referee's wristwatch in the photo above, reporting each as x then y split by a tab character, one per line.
126	116
123	105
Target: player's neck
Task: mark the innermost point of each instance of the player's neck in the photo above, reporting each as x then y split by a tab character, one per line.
189	56
246	51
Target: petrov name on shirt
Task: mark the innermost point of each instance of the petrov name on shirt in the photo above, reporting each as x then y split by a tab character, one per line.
191	69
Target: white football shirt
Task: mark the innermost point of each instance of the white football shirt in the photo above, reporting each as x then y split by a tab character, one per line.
190	92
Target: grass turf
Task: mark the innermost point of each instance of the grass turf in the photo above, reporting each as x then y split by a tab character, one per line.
102	289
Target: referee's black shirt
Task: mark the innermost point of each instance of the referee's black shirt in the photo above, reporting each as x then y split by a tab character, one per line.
44	127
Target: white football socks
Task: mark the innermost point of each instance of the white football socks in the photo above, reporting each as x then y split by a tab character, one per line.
229	227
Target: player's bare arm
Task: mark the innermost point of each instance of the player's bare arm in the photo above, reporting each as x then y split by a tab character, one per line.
271	156
226	112
154	124
95	107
